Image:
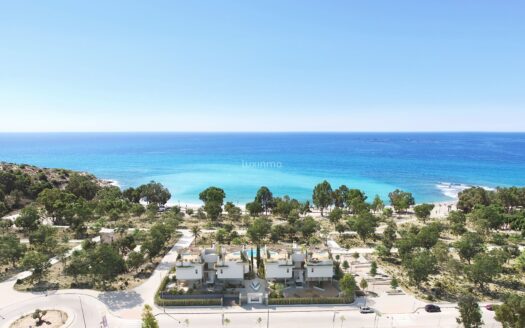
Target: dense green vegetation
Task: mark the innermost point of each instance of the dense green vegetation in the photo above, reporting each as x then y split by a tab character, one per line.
52	197
474	251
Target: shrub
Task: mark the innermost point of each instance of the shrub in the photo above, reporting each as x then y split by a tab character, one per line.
310	300
187	302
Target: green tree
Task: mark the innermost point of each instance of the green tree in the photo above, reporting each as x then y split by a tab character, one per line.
469	246
221	236
356	201
135	260
213	199
39	315
254	208
148	319
11	250
470	314
78	264
308	227
82	185
388	212
155	193
106	263
132	194
428	236
348	285
511	313
520	262
469	198
58	204
457	222
335	215
3	209
423	211
394	283
346	266
363	284
285	205
44	239
265	198
195	230
234	212
373	269
38	263
323	196
420	266
364	224
258	231
483	269
487	218
389	235
401	200
29	219
340	196
377	204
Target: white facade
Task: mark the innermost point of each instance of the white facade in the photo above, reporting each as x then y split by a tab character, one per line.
319	266
278	265
189	267
189	272
231	267
322	272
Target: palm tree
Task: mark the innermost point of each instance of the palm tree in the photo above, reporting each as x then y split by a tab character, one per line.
196	231
342	318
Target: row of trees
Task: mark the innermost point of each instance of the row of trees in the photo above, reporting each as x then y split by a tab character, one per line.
83	200
343	198
507	198
324	196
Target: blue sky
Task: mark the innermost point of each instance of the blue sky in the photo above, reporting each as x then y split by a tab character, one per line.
262	65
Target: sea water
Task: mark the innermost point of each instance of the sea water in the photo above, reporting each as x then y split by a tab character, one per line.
433	166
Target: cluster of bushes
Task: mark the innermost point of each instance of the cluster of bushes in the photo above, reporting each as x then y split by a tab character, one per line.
310	300
18	187
491	210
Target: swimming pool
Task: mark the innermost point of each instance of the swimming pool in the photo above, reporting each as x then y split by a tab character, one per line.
249	252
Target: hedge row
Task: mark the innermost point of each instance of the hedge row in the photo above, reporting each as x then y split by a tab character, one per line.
182	302
188	302
310	300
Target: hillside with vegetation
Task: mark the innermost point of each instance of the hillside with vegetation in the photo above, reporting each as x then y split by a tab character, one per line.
58	209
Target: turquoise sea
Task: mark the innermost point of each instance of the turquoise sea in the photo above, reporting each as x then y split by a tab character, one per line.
434	166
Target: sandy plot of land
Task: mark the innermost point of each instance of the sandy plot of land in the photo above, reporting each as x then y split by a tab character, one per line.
53	318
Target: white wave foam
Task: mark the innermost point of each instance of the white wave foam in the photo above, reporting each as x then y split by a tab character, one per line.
453	189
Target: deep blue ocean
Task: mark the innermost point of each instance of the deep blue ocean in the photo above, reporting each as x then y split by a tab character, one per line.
433	166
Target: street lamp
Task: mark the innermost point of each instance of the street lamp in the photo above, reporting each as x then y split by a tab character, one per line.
333	319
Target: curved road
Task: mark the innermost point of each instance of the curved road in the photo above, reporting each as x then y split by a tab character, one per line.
120	308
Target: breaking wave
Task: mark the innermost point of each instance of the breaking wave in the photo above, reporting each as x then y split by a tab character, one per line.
453	189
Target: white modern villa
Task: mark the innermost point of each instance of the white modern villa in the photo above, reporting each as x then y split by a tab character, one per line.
293	266
278	265
190	268
319	265
232	265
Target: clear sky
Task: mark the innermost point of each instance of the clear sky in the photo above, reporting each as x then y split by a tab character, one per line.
262	65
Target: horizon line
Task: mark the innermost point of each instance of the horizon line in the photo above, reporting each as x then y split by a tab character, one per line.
261	132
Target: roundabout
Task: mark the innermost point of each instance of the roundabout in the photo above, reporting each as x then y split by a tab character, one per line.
51	318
